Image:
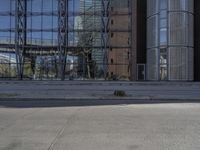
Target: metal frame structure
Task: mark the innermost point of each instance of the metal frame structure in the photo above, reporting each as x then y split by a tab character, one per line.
105	37
20	35
62	35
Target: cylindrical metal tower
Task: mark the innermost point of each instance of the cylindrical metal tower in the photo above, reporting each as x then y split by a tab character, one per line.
170	40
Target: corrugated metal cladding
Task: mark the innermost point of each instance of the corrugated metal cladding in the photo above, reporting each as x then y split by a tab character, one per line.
170	40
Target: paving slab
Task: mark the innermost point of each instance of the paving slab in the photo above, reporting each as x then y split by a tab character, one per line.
122	127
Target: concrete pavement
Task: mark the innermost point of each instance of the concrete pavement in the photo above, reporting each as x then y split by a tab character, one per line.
84	115
122	127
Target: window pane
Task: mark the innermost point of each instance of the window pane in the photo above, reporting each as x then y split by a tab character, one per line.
163	4
163	14
4	5
163	23
4	22
163	36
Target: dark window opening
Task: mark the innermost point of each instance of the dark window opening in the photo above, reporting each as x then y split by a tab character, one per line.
112	61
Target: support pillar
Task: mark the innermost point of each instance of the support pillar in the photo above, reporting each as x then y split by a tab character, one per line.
20	35
62	36
105	37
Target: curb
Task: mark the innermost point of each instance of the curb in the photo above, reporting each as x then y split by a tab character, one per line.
102	83
91	99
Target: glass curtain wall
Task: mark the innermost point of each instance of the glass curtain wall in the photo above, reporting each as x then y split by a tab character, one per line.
170	40
95	45
7	38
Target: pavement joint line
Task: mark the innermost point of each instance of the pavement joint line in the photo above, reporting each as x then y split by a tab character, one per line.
61	131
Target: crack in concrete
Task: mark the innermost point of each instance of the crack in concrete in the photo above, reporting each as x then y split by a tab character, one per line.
61	131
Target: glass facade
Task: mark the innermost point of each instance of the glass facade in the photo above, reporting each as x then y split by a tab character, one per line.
170	40
65	39
98	39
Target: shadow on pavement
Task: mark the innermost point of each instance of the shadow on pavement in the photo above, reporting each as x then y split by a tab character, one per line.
85	103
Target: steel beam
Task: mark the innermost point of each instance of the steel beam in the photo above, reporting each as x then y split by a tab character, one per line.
105	37
62	35
20	35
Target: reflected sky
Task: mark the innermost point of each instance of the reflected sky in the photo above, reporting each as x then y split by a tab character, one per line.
42	20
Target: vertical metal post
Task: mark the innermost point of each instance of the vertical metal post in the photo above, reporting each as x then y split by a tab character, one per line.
20	35
105	38
62	35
